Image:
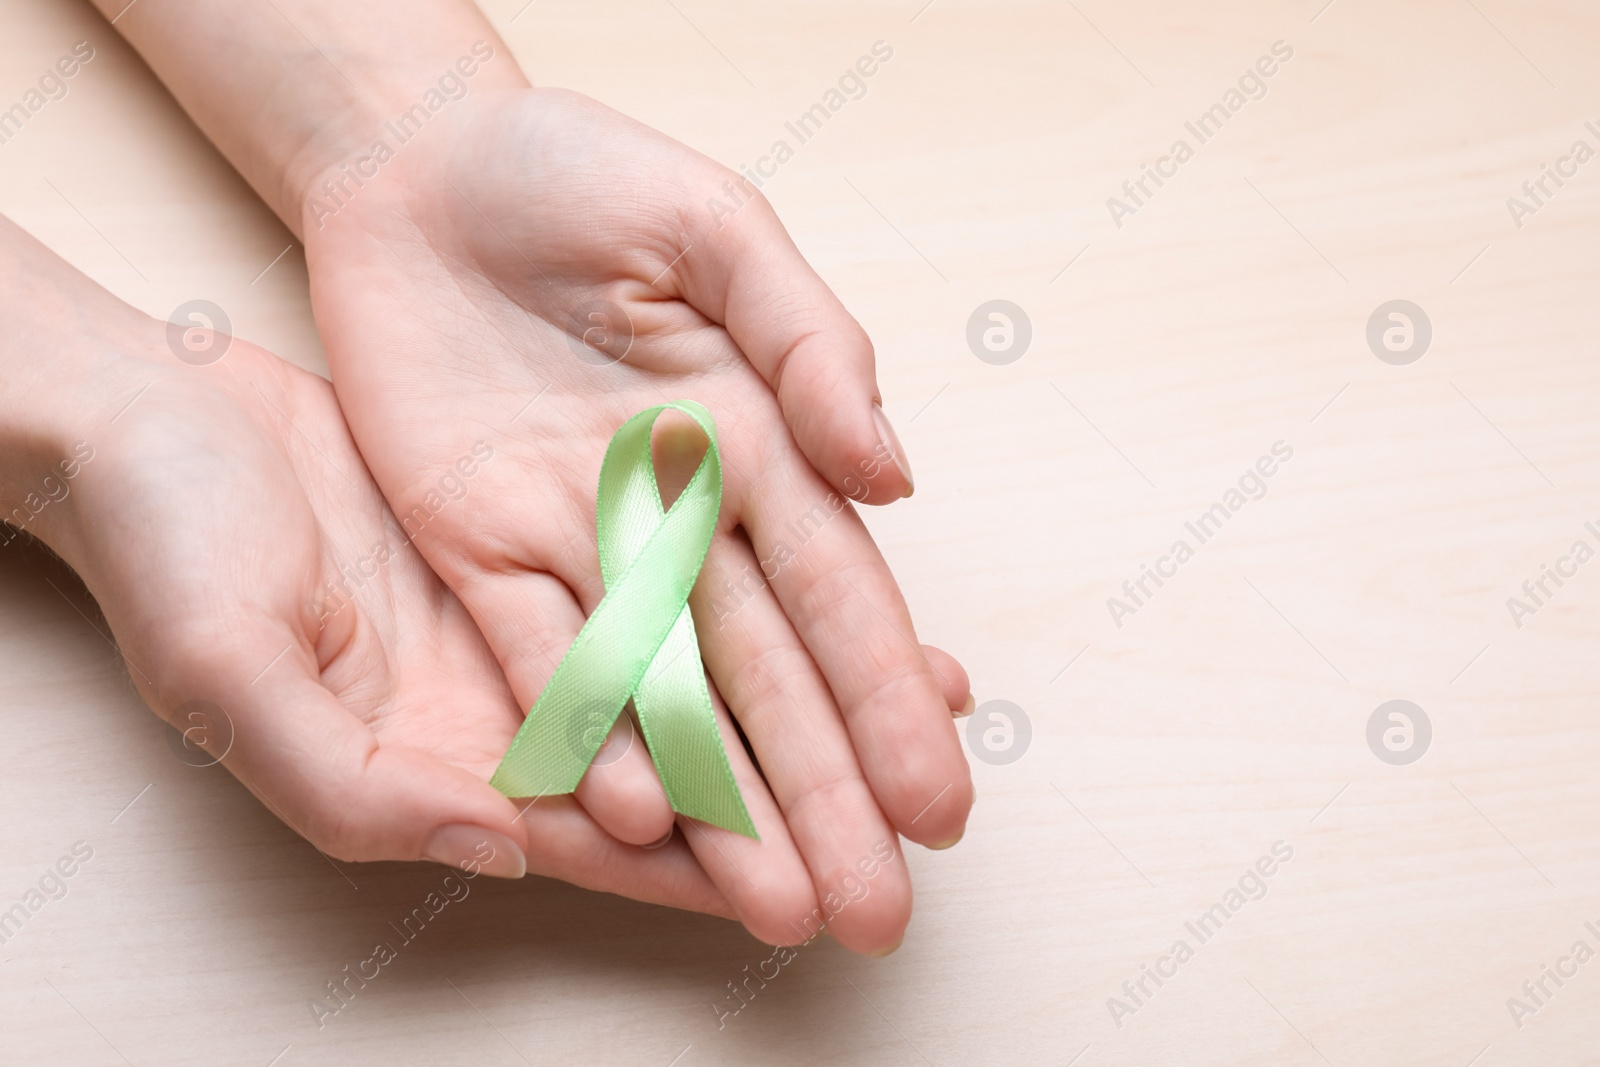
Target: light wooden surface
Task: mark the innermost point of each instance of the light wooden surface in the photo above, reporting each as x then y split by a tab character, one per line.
1229	713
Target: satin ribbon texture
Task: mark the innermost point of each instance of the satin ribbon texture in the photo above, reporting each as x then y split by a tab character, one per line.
640	642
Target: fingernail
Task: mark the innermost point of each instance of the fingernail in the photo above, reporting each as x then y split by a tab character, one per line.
882	952
968	708
476	851
891	443
664	839
941	846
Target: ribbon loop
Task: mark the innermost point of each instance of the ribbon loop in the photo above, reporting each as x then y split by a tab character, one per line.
639	643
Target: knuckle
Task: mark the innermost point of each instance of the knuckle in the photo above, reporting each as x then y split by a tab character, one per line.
763	681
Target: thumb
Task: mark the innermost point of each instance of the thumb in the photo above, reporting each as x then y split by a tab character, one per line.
815	356
323	772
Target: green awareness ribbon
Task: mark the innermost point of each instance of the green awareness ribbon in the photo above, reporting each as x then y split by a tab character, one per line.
639	643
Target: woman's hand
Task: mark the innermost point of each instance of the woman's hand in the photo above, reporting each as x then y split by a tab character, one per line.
531	271
230	532
457	272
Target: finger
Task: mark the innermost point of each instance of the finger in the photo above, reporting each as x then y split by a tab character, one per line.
566	843
785	709
529	619
952	678
323	772
765	882
746	274
836	589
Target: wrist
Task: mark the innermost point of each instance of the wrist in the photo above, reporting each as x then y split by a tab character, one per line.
64	371
410	116
291	90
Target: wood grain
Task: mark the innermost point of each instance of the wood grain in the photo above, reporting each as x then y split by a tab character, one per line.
1227	313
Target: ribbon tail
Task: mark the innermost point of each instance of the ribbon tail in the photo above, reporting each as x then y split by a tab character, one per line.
680	728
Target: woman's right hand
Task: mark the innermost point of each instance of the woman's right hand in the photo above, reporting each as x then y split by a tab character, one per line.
227	526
